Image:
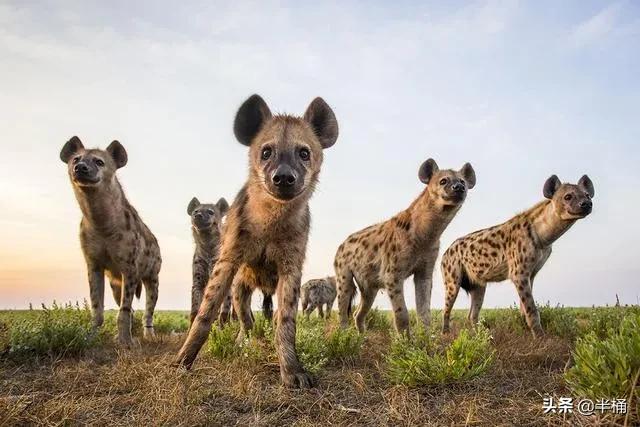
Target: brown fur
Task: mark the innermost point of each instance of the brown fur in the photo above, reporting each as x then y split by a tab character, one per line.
317	293
265	239
516	250
384	255
114	239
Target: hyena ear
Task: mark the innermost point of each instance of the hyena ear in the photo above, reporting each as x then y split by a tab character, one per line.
551	185
469	175
586	184
223	206
250	118
321	118
427	169
118	154
70	148
193	204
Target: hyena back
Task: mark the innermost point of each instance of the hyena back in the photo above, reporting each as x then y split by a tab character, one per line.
317	293
114	239
516	250
207	228
382	256
264	242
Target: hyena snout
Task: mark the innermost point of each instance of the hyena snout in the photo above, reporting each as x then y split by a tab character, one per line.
85	173
284	176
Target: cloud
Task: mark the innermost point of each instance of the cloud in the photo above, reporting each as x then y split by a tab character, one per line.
596	27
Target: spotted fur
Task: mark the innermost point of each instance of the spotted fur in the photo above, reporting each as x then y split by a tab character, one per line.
317	293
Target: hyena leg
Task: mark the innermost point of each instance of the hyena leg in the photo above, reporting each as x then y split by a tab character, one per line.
96	293
329	308
320	311
267	306
400	313
366	301
452	287
151	298
116	289
242	306
346	291
477	297
523	286
423	282
217	288
291	370
130	283
225	310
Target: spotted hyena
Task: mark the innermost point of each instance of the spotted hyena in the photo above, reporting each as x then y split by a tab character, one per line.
515	250
264	242
114	239
384	255
207	227
316	293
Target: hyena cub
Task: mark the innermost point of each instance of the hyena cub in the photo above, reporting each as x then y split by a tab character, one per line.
114	239
516	249
264	243
382	256
318	292
206	227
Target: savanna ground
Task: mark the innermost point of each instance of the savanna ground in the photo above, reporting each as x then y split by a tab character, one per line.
54	370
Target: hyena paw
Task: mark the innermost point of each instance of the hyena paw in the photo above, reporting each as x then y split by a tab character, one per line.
125	341
298	380
445	330
538	333
149	333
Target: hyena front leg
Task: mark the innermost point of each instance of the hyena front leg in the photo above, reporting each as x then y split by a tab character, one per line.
451	277
225	310
523	286
477	297
329	308
242	306
151	286
320	311
366	301
217	287
96	293
400	313
129	285
200	278
291	370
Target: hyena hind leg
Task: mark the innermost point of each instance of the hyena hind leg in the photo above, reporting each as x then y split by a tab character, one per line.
477	298
452	287
346	291
151	298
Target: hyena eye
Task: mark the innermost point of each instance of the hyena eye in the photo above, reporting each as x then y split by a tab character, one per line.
304	154
443	181
99	162
266	153
210	212
568	197
76	159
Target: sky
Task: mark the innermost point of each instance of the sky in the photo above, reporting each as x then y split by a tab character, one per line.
521	90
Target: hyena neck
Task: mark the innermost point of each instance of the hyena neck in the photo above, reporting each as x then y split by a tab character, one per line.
206	241
429	218
101	206
547	224
266	213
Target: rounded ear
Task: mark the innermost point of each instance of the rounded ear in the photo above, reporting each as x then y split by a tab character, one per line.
118	154
551	185
469	175
427	169
193	204
586	184
250	118
70	148
223	206
321	118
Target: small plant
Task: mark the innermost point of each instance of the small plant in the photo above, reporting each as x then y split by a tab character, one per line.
377	320
416	362
262	327
53	331
170	322
311	346
609	367
344	344
558	321
603	321
222	341
503	318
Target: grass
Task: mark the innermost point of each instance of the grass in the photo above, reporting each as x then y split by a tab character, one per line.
55	370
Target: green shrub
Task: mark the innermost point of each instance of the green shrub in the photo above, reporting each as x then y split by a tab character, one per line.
378	320
503	318
311	346
560	321
603	321
607	368
262	327
56	331
344	344
410	363
222	341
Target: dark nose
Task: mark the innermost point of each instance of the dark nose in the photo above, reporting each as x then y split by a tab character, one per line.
458	187
198	215
81	167
586	204
284	176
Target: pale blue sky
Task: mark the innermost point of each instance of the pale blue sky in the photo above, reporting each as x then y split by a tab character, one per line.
519	89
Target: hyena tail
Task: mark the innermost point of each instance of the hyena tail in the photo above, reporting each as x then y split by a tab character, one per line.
267	306
139	290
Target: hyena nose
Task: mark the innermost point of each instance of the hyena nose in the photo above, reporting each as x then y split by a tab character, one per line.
284	176
586	204
81	167
458	186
